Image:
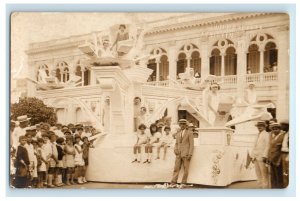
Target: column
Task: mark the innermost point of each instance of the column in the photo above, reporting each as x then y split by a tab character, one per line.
241	66
261	59
222	65
157	62
172	62
82	76
204	54
188	58
283	74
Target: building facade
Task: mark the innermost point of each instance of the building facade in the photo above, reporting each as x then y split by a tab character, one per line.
238	48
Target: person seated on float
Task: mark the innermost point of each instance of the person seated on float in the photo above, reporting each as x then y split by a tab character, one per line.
122	35
165	142
152	140
105	51
250	94
141	140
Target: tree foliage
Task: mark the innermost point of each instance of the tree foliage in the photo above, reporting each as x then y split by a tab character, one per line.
35	109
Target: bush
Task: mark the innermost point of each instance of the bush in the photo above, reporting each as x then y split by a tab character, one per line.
35	109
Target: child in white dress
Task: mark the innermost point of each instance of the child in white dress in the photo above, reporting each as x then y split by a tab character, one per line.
78	160
141	140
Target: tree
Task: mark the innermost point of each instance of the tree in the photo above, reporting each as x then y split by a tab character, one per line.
35	109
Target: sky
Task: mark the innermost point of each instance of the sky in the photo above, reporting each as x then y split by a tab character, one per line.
29	27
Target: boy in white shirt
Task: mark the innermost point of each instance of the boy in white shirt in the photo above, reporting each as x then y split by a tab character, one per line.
166	141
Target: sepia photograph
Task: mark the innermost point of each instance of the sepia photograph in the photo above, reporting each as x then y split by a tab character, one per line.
134	100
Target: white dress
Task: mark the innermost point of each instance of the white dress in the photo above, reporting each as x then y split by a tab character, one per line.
78	160
251	96
42	167
32	159
213	101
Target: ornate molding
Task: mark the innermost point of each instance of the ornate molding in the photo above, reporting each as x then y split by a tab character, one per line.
204	22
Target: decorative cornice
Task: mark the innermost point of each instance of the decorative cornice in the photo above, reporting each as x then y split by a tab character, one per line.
71	92
205	22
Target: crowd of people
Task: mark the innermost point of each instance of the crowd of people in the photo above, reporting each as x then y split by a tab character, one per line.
52	156
49	156
270	154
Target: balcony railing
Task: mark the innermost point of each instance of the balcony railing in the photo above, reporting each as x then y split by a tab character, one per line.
261	78
229	80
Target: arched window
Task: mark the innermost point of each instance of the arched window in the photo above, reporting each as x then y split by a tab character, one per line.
66	75
230	61
215	62
163	68
78	71
196	62
58	74
270	57
86	76
253	59
152	65
43	71
62	72
181	63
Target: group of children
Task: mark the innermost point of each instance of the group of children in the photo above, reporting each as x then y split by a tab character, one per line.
158	136
46	158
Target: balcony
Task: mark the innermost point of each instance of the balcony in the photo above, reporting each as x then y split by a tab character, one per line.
260	79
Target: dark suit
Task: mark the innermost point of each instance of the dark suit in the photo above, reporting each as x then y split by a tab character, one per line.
183	149
22	154
275	159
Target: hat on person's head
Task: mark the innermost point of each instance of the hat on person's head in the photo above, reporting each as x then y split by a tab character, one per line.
23	118
78	125
51	133
77	136
53	128
39	140
214	84
167	128
29	134
285	121
64	127
183	121
84	137
34	140
274	125
33	128
261	123
45	135
28	129
142	126
68	132
191	125
60	140
69	137
160	124
70	125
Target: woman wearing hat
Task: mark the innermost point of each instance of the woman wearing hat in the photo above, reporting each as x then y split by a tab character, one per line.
250	94
20	130
213	100
259	155
275	155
